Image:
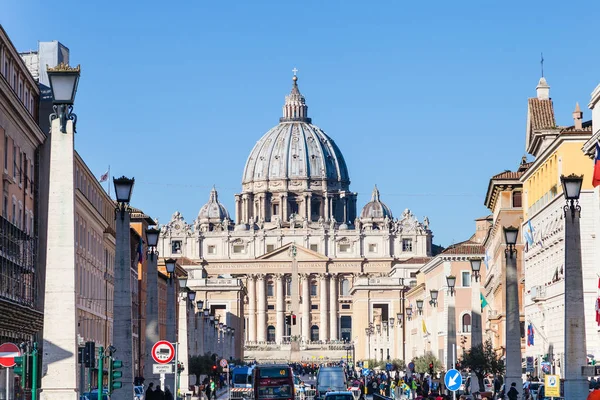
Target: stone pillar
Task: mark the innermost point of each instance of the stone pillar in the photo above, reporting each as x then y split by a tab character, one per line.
309	206
345	200
244	209
122	335
182	339
251	308
279	308
237	209
261	308
60	309
326	201
476	332
513	324
306	322
333	307
152	333
284	208
450	340
323	328
575	344
171	311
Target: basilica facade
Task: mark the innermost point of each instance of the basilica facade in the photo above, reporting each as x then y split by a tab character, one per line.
298	246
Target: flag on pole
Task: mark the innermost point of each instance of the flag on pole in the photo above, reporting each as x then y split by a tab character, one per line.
424	327
140	252
529	233
103	177
530	335
596	178
487	259
483	301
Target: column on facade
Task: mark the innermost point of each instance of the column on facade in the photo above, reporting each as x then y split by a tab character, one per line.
323	331
237	209
333	307
265	209
244	209
309	206
279	308
251	308
326	207
345	200
284	207
261	308
305	279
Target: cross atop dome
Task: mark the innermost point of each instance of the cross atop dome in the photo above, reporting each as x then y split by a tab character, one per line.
295	108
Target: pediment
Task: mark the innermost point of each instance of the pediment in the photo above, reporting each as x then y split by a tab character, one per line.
284	254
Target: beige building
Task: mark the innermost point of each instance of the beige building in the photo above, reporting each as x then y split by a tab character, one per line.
504	198
429	330
296	212
95	256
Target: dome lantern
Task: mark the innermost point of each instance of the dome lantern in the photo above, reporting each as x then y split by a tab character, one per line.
295	108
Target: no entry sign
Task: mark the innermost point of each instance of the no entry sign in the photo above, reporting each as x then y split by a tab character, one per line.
8	352
163	352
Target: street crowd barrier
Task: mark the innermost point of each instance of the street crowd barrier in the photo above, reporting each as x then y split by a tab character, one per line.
308	394
242	393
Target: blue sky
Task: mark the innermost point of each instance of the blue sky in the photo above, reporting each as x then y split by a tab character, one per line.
426	99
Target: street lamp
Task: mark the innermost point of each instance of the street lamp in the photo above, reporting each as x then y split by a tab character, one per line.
409	312
123	190
170	267
451	281
369	331
399	317
392	320
192	296
420	306
513	317
63	85
574	314
510	236
434	296
152	237
182	282
476	267
199	304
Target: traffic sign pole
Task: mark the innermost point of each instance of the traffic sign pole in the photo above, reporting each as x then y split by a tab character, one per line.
176	370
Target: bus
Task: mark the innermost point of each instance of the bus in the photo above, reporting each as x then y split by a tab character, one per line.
241	377
273	382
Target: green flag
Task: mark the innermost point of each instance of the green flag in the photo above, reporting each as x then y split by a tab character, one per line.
483	301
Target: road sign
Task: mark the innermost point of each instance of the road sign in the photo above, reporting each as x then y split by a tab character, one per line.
411	366
453	380
552	386
8	352
366	371
162	369
163	352
223	363
529	364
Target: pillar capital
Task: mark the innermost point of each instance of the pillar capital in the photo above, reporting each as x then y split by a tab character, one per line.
323	276
278	277
260	277
304	277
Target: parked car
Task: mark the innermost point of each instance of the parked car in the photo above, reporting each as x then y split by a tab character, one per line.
339	396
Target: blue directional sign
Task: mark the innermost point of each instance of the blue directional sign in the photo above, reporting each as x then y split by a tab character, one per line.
366	371
453	380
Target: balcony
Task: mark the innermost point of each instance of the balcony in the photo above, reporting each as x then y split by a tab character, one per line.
538	293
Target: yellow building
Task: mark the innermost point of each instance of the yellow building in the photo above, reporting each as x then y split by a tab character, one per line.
557	151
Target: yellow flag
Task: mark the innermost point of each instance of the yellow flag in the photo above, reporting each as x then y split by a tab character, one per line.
424	327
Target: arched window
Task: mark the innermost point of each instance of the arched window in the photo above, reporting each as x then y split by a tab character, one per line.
288	285
466	323
270	289
314	333
270	333
345	287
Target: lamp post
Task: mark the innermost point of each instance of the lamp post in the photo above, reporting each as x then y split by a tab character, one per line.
182	334
476	329
170	266
369	331
60	347
513	317
152	331
211	333
122	309
420	306
449	307
574	312
433	293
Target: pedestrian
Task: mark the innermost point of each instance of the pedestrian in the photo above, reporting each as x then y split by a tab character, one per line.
168	394
159	394
213	388
513	393
207	389
150	392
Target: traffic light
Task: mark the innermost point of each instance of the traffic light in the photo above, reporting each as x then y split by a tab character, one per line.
180	367
288	319
293	319
20	369
214	369
114	365
89	355
431	368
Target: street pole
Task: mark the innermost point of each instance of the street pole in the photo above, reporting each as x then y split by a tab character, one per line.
476	329
59	381
152	331
122	308
576	385
176	370
100	372
513	318
34	372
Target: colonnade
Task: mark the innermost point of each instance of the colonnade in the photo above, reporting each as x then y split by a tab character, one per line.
258	311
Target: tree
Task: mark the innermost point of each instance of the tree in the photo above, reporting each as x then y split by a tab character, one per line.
483	360
201	365
422	363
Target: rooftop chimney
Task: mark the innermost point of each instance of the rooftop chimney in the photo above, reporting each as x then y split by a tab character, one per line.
577	117
543	89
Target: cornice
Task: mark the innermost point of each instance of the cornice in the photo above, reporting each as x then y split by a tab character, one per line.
20	115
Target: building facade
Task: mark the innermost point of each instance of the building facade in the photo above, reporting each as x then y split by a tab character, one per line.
504	198
21	272
296	209
557	151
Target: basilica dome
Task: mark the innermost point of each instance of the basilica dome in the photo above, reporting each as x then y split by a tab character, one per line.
296	150
213	211
376	209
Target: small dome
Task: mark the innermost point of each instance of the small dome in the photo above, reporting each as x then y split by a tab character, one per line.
213	211
376	208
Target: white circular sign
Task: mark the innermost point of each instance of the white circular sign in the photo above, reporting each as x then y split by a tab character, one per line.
163	352
223	363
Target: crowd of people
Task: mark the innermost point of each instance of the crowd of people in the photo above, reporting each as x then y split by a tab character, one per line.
156	393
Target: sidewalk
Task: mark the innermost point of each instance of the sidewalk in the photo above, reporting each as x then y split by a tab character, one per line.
219	394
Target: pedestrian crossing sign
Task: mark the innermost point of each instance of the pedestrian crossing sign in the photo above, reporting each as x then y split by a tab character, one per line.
552	386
